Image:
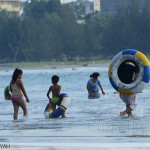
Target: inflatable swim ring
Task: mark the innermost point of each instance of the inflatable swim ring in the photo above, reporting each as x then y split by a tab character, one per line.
7	93
61	108
129	72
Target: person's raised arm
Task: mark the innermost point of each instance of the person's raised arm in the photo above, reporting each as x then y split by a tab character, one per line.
23	90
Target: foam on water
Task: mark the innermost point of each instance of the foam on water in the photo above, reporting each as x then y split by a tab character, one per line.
86	120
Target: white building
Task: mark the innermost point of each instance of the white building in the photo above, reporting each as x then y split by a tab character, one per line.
91	7
61	1
96	5
11	6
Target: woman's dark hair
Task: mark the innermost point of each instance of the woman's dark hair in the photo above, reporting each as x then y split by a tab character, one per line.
94	75
55	79
16	74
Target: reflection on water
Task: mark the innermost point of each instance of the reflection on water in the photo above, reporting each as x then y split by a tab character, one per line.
86	120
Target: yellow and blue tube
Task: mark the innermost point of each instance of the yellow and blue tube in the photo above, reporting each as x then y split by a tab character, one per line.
145	62
146	67
60	110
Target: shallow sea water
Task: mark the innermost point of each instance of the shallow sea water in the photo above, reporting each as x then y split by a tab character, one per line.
87	121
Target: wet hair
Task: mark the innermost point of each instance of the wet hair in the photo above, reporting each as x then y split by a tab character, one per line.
16	74
94	75
55	79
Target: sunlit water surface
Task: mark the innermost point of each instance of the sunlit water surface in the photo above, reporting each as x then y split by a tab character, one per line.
95	121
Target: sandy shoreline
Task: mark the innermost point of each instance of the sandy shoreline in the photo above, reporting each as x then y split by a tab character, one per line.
74	67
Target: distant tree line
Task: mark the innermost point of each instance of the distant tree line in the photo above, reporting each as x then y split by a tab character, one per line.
49	31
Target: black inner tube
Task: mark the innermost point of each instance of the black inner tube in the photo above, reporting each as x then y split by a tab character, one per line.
127	70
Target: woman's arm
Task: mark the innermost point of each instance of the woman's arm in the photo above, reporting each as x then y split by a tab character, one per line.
21	85
90	92
102	90
88	85
101	87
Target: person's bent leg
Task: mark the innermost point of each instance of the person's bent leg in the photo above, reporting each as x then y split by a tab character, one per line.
53	107
23	105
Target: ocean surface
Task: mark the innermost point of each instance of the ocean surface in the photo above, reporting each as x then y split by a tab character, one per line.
87	121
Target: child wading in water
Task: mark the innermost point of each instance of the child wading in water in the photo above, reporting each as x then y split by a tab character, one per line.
55	89
18	90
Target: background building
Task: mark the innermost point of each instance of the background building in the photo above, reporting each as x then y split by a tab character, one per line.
61	1
11	6
111	7
91	7
96	5
88	7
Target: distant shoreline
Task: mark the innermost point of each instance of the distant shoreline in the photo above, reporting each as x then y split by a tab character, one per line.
54	65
